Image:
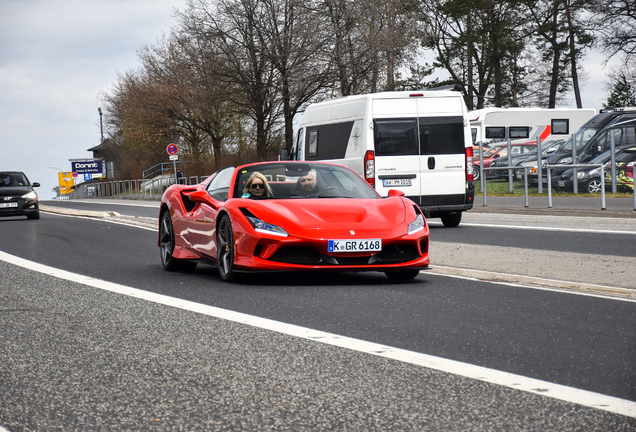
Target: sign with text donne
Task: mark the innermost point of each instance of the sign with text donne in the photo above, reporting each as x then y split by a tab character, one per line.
84	167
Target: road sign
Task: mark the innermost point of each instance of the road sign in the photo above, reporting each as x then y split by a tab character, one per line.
174	157
172	149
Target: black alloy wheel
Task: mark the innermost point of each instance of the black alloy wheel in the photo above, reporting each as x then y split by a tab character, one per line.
225	249
167	244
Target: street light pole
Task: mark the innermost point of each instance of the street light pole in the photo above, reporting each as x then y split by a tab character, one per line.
99	110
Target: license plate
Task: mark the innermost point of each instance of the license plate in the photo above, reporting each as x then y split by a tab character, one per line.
366	245
561	183
397	182
6	205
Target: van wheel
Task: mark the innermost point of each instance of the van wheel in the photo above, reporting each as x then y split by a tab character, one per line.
451	220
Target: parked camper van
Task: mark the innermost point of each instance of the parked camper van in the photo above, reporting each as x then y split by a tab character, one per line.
415	142
549	124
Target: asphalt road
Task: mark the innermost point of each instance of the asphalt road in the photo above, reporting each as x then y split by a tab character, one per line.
584	342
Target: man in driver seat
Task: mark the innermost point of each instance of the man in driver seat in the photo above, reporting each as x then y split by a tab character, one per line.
308	184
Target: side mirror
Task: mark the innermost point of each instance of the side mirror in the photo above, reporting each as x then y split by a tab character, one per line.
395	193
496	156
36	184
283	155
201	197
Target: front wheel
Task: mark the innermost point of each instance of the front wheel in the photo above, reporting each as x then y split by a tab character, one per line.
451	220
404	274
225	249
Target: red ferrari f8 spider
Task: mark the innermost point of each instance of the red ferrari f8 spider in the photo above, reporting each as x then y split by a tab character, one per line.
274	216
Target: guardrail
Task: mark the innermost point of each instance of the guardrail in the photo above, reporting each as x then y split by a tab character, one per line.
139	188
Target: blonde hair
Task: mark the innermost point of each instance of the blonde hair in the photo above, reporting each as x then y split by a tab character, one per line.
268	190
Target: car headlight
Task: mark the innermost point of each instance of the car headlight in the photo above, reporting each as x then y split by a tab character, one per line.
417	224
565	160
580	175
30	196
266	228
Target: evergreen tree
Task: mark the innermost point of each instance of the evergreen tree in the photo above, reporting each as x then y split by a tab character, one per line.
623	92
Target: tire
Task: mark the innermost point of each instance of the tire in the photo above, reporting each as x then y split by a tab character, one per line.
451	220
476	172
405	274
593	185
167	244
225	249
34	216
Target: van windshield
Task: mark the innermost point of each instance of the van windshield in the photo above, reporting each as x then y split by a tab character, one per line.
413	136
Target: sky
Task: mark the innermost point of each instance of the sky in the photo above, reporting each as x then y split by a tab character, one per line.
57	56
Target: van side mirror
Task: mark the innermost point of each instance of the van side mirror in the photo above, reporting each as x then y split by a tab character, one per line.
283	155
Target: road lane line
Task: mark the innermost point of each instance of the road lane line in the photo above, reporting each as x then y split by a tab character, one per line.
541	228
517	382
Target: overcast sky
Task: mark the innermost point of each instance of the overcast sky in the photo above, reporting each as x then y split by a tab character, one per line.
56	56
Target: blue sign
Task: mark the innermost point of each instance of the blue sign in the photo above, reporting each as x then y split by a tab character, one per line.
87	177
84	167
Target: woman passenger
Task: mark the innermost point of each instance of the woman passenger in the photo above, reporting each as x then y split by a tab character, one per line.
257	187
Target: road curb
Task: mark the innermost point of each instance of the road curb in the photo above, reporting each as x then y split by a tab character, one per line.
87	213
529	280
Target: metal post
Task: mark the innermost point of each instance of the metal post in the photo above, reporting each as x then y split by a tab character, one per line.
550	186
613	159
481	171
525	183
510	185
602	187
575	183
539	166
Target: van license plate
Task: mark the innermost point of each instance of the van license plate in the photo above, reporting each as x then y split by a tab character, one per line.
397	182
366	245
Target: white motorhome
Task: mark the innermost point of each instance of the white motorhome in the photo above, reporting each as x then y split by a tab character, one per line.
416	142
489	124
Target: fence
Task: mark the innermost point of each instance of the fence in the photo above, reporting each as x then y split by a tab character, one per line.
141	189
549	177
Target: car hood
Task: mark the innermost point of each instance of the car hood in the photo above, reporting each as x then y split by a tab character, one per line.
15	191
332	214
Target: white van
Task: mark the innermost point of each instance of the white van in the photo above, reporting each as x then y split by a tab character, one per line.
416	142
547	123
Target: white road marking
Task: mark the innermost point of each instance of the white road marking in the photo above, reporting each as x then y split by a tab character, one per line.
517	382
540	228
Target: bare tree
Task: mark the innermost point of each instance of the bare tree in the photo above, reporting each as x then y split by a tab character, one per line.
292	34
230	28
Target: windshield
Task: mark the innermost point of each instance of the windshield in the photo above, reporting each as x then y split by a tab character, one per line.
289	180
581	137
493	150
13	179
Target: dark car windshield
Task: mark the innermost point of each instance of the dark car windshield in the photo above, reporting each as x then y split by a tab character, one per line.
286	181
13	179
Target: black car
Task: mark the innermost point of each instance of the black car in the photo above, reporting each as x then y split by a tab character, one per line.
17	197
589	179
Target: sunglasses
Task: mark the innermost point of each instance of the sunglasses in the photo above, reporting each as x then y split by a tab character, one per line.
257	186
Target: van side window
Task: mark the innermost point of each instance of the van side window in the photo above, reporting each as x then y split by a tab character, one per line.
441	135
395	137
